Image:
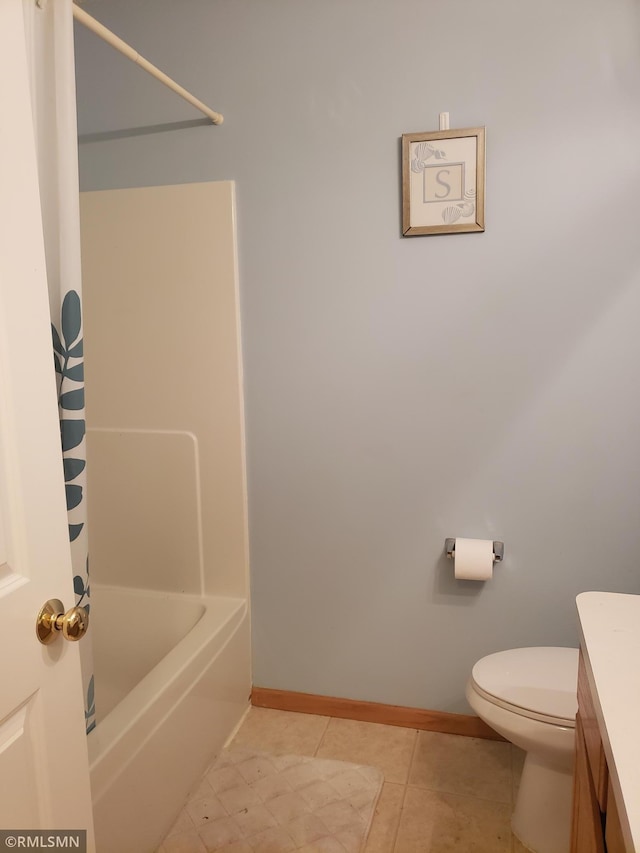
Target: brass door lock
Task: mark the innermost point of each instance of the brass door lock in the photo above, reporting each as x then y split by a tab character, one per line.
53	621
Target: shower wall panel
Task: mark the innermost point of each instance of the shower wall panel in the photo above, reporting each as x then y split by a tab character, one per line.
145	509
163	354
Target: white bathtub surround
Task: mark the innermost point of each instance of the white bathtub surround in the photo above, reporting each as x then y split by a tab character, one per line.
191	686
167	512
146	509
279	802
164	389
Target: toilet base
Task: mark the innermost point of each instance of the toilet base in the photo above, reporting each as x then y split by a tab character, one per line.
542	816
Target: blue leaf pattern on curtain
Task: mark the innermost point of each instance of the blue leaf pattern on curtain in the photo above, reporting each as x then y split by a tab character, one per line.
49	38
90	708
69	367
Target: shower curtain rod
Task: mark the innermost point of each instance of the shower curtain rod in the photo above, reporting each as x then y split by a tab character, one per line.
102	32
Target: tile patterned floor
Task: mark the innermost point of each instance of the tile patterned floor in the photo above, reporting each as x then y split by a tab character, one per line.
441	794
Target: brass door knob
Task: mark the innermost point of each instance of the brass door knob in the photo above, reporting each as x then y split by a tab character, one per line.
53	621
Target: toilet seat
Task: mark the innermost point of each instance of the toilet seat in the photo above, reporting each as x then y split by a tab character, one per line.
539	683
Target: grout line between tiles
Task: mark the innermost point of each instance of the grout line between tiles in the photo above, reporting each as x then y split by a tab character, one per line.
413	755
516	775
437	790
320	742
400	811
404	795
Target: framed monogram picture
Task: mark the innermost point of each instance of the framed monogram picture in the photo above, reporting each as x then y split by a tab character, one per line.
443	176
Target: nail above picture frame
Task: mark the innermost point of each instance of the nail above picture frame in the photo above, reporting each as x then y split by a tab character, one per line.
443	181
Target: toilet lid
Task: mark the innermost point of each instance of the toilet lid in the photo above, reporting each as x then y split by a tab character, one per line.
541	680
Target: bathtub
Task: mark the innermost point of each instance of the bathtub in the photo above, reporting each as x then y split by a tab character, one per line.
172	676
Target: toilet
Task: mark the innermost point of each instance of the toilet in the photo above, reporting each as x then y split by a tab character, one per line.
529	697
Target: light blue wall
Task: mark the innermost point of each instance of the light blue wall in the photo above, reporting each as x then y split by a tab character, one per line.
399	391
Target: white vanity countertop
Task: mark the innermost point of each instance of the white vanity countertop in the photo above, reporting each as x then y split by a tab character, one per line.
610	628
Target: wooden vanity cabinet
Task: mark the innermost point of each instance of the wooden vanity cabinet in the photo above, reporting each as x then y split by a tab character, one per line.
596	825
587	835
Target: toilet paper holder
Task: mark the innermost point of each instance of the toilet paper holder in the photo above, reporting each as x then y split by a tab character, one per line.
498	550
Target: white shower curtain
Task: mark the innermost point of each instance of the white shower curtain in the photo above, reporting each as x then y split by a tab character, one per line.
49	33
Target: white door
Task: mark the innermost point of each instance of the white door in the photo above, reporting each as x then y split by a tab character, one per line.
44	775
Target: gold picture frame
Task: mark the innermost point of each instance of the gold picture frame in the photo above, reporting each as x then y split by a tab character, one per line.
443	181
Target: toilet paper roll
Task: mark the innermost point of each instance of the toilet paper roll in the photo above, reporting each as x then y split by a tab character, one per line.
473	559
